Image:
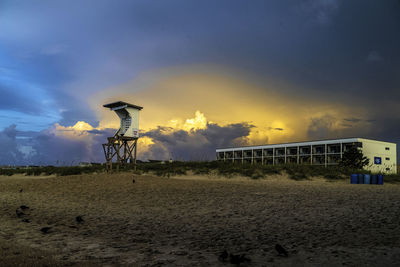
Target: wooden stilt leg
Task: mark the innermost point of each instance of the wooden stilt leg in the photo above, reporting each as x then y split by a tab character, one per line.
134	158
121	147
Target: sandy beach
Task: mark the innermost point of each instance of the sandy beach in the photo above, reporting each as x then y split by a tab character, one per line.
190	220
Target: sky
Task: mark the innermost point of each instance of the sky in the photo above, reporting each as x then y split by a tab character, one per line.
208	73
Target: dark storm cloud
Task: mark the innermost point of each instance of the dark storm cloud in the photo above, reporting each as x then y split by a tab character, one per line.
53	149
75	112
327	126
324	127
322	11
11	99
276	129
374	56
338	51
100	131
352	119
320	45
223	136
9	153
311	42
19	94
321	127
387	130
195	145
46	148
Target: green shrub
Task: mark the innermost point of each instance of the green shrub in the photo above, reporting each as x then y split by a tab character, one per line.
298	176
70	171
333	176
7	172
257	174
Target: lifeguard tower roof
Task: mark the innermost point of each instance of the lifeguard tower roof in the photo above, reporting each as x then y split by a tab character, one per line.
121	104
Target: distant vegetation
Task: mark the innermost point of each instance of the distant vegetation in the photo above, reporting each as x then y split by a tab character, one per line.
52	170
255	171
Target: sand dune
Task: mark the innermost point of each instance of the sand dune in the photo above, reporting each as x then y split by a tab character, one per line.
190	220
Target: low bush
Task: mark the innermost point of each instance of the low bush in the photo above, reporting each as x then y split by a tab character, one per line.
298	176
52	170
70	171
7	172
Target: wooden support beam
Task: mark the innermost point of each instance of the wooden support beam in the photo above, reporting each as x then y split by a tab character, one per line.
120	148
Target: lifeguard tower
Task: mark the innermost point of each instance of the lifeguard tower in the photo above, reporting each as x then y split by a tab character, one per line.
123	145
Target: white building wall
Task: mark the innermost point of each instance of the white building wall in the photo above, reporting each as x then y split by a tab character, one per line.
382	152
133	130
372	149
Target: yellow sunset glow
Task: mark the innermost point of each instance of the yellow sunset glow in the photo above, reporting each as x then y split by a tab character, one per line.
170	98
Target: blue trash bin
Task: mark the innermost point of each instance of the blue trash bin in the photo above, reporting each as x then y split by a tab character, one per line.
367	179
360	178
354	179
374	179
380	179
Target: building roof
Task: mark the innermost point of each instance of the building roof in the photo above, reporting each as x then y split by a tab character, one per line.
121	103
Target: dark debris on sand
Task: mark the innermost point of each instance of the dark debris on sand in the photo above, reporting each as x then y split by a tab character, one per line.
45	230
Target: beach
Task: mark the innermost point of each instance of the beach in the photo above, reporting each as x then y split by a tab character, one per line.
189	220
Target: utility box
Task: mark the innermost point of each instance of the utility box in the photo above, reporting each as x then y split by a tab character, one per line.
129	116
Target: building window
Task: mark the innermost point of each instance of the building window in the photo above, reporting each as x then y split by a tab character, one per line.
388	169
387	158
387	148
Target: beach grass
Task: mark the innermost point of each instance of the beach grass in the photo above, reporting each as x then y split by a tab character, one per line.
225	169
